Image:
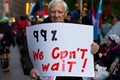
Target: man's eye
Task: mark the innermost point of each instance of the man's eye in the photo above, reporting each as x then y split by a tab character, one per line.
57	12
53	11
60	12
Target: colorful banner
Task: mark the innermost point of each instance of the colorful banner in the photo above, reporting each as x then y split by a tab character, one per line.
98	21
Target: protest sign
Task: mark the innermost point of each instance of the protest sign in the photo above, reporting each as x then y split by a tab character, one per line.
61	49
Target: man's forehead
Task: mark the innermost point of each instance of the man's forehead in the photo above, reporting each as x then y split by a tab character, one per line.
55	5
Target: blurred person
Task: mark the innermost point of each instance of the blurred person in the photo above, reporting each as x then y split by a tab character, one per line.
115	70
6	40
1	37
39	17
109	51
107	55
20	36
107	24
75	14
22	23
115	20
20	29
106	27
85	19
57	13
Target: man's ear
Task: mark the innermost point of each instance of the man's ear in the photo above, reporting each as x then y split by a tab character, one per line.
66	13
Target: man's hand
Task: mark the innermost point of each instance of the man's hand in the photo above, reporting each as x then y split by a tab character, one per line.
100	55
94	48
34	74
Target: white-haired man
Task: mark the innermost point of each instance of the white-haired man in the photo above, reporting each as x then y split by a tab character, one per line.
57	11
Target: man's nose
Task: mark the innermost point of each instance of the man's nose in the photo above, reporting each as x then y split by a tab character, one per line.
56	14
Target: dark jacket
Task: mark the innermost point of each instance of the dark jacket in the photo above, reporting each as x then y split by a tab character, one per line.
109	55
86	21
112	53
8	38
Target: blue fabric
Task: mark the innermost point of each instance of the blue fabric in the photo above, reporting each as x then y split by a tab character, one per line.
41	4
97	21
74	14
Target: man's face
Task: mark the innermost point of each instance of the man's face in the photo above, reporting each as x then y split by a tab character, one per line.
57	12
114	20
83	14
108	42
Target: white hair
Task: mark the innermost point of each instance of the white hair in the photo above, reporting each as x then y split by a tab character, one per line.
57	1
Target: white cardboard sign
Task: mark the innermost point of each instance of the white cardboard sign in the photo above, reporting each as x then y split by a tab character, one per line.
61	49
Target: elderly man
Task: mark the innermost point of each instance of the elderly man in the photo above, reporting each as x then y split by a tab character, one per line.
57	13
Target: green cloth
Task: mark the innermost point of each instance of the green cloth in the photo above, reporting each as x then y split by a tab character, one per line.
4	19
